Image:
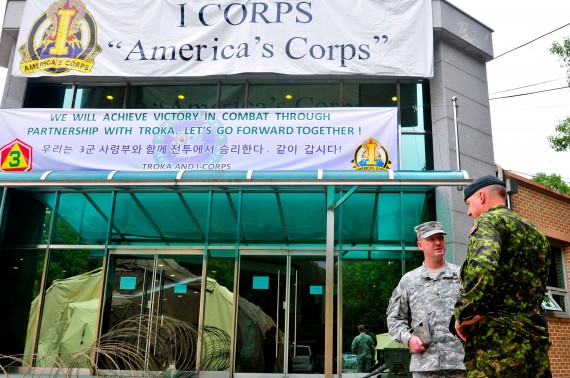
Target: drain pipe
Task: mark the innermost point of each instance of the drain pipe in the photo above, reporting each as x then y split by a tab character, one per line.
454	102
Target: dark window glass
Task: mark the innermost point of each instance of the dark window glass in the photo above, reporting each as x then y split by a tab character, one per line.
366	289
232	96
377	95
415	111
27	220
48	96
293	95
99	97
556	272
173	97
20	274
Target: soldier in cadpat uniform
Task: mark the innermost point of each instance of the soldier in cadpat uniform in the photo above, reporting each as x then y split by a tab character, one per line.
504	282
420	308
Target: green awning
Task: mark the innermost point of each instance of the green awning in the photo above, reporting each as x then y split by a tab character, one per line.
374	210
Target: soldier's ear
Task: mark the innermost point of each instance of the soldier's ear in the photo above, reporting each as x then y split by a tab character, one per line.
481	196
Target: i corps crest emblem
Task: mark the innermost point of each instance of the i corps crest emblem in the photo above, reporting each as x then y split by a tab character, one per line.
62	39
371	156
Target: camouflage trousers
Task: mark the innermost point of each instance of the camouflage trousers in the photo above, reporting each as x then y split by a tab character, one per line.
507	349
364	363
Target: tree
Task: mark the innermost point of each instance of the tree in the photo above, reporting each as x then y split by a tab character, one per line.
553	181
561	141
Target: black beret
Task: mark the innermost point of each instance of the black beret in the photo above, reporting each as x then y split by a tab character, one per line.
480	183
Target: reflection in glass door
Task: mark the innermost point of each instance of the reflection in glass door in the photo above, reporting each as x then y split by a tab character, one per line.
280	325
150	297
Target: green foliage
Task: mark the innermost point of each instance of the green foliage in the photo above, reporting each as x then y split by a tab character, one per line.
553	181
222	270
561	141
562	51
367	288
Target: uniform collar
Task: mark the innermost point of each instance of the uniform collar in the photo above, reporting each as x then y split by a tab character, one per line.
446	271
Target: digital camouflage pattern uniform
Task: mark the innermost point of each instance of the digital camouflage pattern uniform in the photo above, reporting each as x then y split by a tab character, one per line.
504	278
418	299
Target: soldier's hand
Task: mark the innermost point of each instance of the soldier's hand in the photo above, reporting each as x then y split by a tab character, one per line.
467	326
416	345
461	330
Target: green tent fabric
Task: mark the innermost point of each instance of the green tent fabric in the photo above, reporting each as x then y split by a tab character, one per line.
83	288
73	331
72	306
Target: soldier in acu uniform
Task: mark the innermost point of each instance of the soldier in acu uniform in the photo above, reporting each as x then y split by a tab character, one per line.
421	306
504	281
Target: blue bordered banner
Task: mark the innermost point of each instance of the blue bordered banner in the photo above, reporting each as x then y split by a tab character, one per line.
217	139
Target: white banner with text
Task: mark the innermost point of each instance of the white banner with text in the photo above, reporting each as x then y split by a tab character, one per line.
168	38
217	139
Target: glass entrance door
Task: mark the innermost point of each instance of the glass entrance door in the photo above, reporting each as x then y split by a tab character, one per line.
280	324
151	312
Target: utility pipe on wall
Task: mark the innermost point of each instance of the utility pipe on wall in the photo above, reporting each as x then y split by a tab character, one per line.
454	101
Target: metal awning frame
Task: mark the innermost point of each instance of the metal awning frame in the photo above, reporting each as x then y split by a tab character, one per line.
236	181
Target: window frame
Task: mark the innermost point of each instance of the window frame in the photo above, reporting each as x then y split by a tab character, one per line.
552	291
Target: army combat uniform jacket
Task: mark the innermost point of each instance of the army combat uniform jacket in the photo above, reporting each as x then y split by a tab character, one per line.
426	305
504	278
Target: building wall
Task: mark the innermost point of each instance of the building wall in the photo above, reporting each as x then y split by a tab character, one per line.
549	210
462	47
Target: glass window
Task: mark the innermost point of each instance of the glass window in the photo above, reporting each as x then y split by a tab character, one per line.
367	286
232	96
412	106
21	273
152	305
99	97
173	97
48	96
370	95
73	287
216	342
293	95
417	152
556	286
28	219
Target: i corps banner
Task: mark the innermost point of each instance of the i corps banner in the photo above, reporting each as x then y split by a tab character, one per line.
217	139
158	38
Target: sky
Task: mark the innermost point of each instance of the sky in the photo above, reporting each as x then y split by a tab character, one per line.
521	124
